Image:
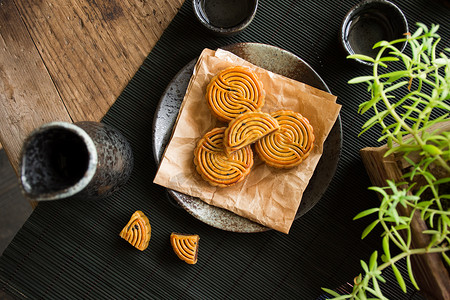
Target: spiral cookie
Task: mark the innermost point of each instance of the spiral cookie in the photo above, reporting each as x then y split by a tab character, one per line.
234	91
247	129
138	230
215	166
185	246
290	145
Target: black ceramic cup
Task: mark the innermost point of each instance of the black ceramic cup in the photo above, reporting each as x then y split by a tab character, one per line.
369	22
83	160
225	17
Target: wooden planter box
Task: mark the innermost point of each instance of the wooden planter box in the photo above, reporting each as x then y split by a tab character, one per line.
429	269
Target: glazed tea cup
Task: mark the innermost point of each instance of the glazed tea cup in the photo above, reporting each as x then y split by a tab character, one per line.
369	22
84	160
225	17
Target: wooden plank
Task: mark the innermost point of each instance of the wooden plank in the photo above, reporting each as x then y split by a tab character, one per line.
28	97
92	48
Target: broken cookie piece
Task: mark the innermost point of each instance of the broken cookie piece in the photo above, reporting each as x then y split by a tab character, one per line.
185	246
138	230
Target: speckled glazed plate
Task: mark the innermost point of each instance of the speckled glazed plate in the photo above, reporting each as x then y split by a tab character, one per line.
278	61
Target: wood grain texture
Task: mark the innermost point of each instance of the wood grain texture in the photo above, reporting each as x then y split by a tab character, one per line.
92	48
28	97
69	60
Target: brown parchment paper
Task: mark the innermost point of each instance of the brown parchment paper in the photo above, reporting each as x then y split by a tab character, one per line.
268	196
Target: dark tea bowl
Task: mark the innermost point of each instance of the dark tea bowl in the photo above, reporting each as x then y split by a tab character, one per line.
82	160
225	17
369	22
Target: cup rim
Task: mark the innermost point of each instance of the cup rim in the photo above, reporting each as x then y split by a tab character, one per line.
358	8
200	15
80	184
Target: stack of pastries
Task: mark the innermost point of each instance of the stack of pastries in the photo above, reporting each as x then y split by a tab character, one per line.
224	156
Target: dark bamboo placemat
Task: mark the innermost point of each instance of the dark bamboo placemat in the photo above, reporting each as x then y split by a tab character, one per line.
71	249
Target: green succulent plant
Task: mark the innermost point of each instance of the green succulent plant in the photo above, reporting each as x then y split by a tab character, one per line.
408	126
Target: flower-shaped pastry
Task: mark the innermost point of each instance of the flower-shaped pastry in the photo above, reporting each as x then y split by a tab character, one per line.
215	166
185	246
138	230
289	146
234	91
247	129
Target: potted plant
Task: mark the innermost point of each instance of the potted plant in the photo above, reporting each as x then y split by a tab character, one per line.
411	173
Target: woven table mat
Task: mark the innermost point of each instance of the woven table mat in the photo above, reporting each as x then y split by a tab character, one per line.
72	249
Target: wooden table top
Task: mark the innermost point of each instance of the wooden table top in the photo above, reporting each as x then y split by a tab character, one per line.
69	60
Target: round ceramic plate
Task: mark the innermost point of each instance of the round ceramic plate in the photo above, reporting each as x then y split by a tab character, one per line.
278	61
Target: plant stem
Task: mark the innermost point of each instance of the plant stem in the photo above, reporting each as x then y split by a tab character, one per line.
389	233
442	163
388	104
441	212
412	252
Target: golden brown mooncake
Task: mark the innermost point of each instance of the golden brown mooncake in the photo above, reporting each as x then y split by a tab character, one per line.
247	129
138	230
289	146
215	166
185	246
234	91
